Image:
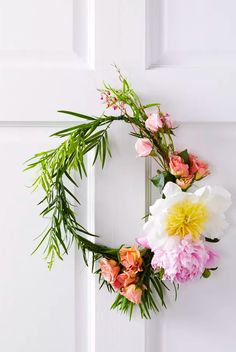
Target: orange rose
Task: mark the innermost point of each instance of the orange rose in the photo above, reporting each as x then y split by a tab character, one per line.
109	269
132	293
131	258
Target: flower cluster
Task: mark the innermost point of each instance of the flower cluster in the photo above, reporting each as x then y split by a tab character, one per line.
187	172
124	276
111	101
178	228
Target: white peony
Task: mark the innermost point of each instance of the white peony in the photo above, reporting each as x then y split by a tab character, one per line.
183	214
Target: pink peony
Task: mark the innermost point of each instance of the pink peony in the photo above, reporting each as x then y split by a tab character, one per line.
153	122
109	269
132	293
178	167
143	146
198	167
131	258
186	262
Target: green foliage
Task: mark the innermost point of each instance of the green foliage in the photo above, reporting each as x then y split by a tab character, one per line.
161	178
56	168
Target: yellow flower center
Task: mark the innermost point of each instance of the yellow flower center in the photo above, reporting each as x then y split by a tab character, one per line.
186	218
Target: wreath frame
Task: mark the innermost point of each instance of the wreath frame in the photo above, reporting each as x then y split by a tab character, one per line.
56	167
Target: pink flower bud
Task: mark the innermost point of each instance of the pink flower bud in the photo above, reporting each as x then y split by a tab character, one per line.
168	121
153	122
143	146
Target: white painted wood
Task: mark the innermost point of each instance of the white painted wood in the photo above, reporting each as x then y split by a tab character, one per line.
191	33
53	55
204	314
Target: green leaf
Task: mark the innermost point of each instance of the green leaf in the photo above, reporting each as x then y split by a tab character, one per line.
151	105
76	114
212	240
159	180
184	155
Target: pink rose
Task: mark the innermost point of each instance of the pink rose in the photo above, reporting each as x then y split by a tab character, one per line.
198	167
185	182
132	293
131	258
143	146
153	122
178	167
184	263
124	279
109	269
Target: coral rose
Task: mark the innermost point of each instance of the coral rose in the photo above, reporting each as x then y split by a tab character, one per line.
178	167
185	182
198	167
124	279
153	122
109	269
143	146
131	258
132	293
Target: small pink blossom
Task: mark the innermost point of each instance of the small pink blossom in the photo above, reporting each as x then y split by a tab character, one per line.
132	293
103	98
198	167
153	122
178	167
168	120
186	262
143	146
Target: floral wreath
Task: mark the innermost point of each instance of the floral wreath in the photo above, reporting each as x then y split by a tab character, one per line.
177	241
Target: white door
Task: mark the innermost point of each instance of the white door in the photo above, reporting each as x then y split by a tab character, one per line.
53	55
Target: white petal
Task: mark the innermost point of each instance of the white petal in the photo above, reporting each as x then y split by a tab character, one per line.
171	189
217	199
